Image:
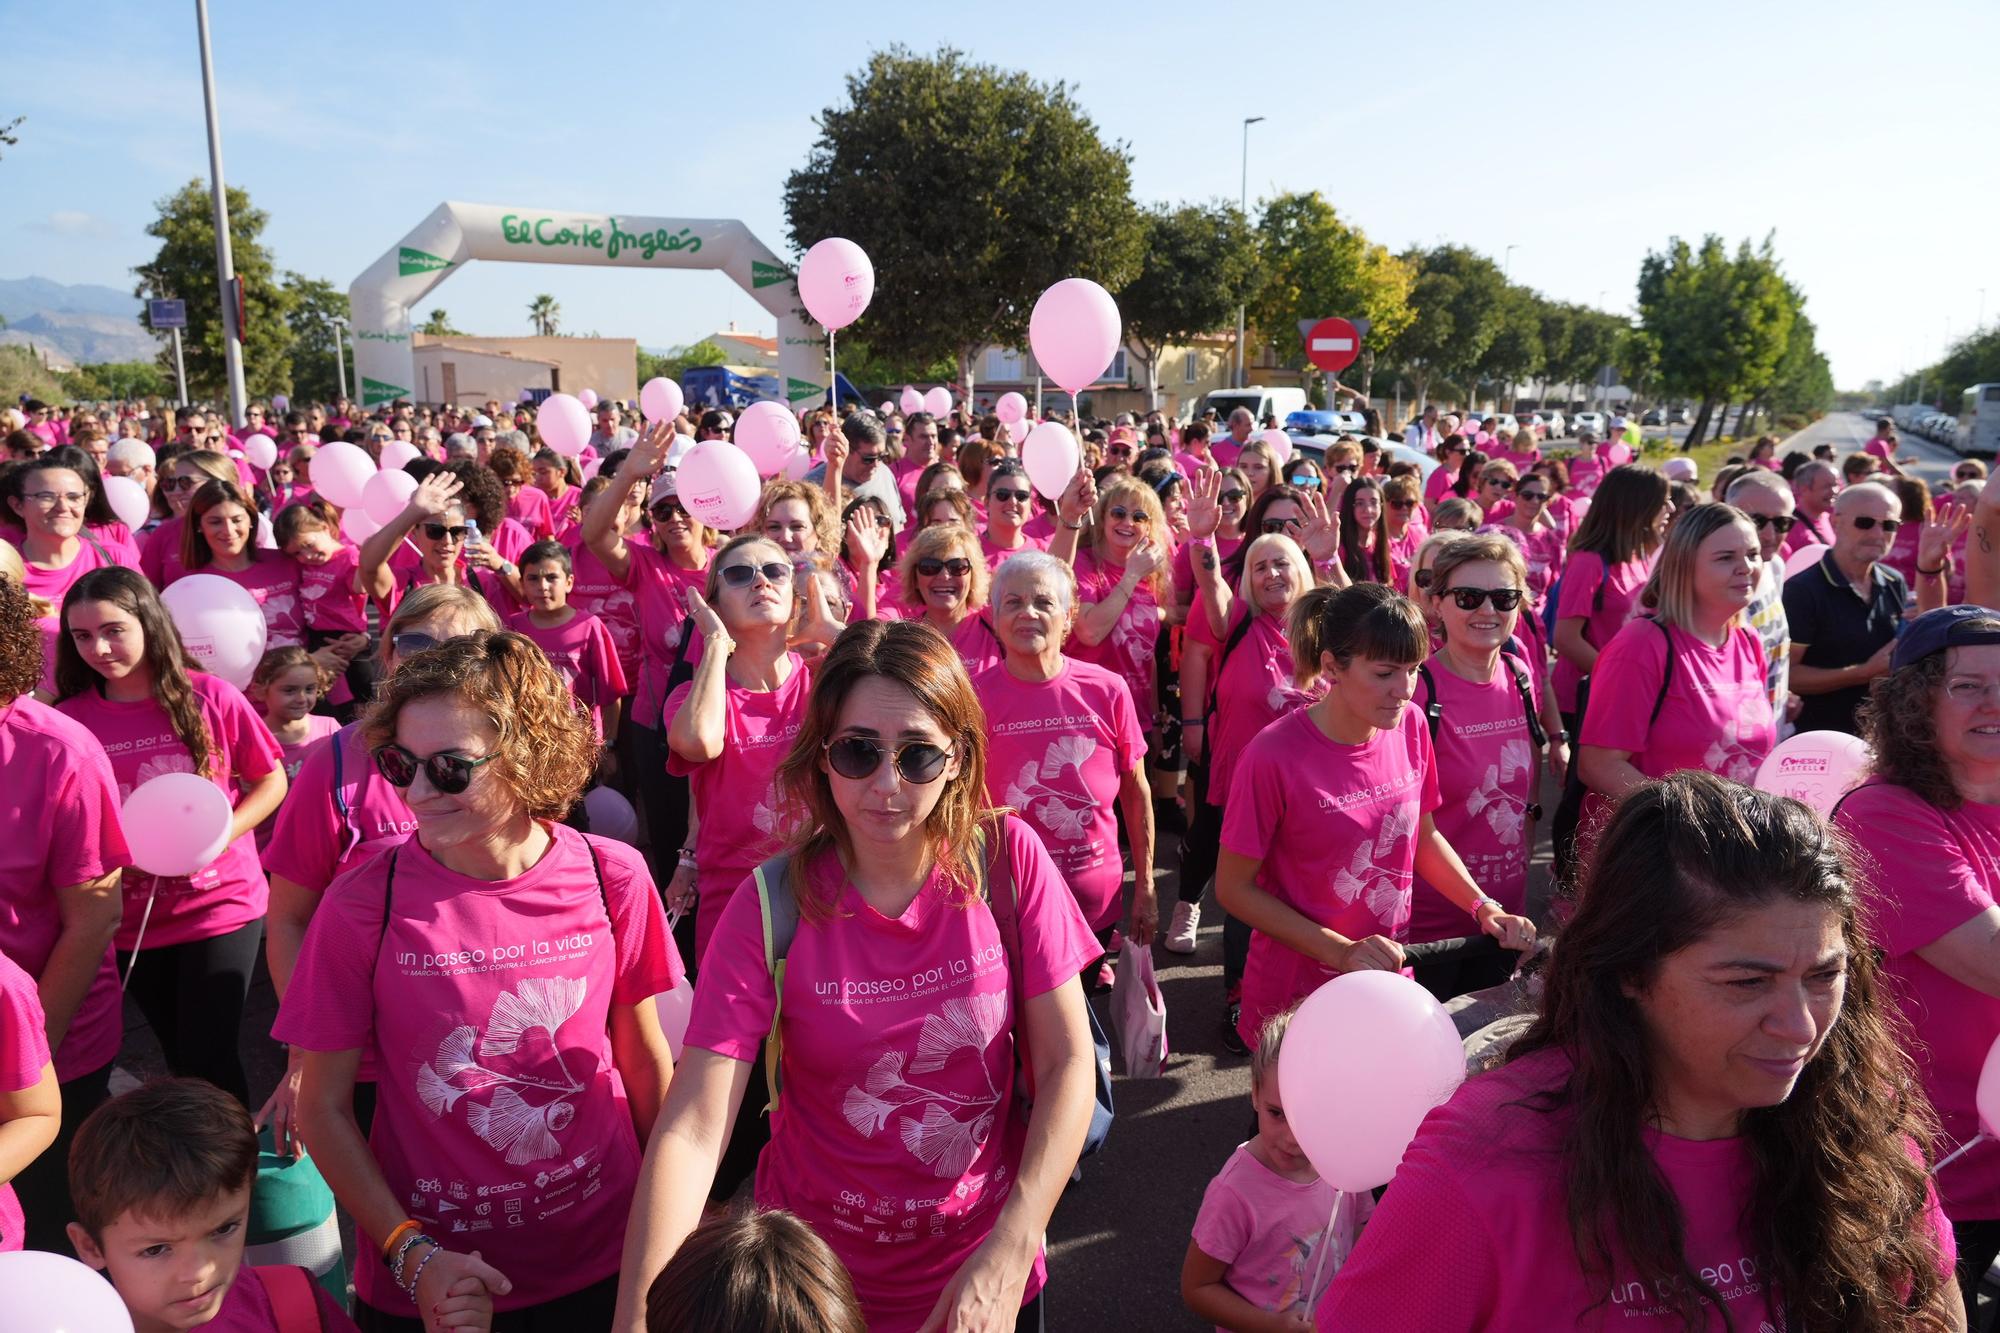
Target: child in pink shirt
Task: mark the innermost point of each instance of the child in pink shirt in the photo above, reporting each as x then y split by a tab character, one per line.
1271	1233
576	643
285	687
28	1079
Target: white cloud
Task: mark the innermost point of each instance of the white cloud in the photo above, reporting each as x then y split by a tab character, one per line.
71	222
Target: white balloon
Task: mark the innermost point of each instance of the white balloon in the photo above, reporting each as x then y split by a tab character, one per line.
128	500
675	1007
261	450
176	823
221	626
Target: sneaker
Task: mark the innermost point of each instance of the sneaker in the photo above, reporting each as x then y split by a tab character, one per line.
1181	931
1232	1039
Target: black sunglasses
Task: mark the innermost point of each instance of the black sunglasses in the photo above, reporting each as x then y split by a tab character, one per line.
1532	497
1468	599
1347	469
1402	504
1865	523
1272	525
181	483
870	459
1233	496
664	509
411	642
1778	523
449	773
742	576
1000	495
857	757
437	532
958	567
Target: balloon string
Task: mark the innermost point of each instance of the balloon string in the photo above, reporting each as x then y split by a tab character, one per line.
140	939
832	376
1326	1242
1963	1149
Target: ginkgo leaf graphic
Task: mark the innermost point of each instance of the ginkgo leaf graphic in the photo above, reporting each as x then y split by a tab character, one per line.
437	1094
1065	752
969	1023
866	1112
1506	821
524	1131
943	1142
1385	898
454	1053
536	1002
1514	760
1064	821
885	1073
1400	823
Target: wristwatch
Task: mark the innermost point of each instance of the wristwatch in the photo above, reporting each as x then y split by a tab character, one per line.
1482	901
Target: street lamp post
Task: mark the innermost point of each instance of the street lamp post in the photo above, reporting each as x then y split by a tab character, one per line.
1244	206
1507	263
225	266
336	323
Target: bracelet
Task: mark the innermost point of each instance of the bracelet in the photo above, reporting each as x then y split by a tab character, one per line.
403	1254
1187	722
1930	573
1484	900
408	1224
1073	527
423	1263
687	860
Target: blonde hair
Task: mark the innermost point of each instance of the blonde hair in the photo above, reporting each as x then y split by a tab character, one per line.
942	542
466	609
1270	1041
1454	510
1301	568
819	513
1126	489
1669	594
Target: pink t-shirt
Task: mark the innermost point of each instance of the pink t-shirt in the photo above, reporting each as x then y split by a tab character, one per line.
530	508
1542	551
1042	526
1486	773
1474	1231
566	513
977	642
1253	690
55	584
60	802
596	592
315	841
661	587
1057	752
247	1308
318	728
1717	713
1269	1231
1335	827
24	1053
1877	447
273	580
228	892
1438	485
997	555
486	1005
897	1136
743	819
1603	617
1810	532
1186	590
1128	649
160	557
582	652
327	594
1931	872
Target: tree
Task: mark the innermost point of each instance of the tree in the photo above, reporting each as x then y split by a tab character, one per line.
1721	320
7	135
185	268
1315	265
1199	264
438	325
316	304
1637	357
1516	348
1456	299
1802	382
677	361
972	189
545	315
116	380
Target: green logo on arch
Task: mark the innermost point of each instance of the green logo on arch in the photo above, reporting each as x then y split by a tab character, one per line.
409	261
798	389
768	275
376	392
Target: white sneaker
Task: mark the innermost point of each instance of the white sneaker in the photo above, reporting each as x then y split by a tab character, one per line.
1180	933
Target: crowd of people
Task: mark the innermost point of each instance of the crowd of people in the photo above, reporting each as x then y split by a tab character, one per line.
902	757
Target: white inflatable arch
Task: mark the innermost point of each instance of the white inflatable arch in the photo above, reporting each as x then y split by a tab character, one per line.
384	294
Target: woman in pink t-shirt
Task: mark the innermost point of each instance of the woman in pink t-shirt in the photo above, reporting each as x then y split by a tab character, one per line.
434	525
50	502
1610	558
557	479
944	585
1929	822
335	616
868	559
160	557
1527	525
1329	811
1710	1125
1010	503
897	1134
502	969
219	536
1687	687
187	943
1120	583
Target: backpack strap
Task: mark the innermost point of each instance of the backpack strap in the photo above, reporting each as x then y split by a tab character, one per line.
1433	710
388	896
1536	732
1237	633
1666	672
290	1291
342	806
778	910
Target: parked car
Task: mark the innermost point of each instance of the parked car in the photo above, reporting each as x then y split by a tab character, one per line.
1593	422
1554	424
1655	416
1278	402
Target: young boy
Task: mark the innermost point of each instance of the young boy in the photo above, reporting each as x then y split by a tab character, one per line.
161	1180
577	643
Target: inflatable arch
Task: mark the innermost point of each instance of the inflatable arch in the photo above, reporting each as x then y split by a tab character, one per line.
382	297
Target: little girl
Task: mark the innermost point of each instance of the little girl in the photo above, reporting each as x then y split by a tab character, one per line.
285	687
336	616
1255	1263
754	1271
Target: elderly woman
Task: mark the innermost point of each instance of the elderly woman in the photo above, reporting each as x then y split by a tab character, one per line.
895	1093
1065	747
944	584
501	968
1929	819
1711	1124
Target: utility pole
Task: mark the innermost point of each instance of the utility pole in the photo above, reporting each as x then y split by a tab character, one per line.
1243	206
225	266
339	353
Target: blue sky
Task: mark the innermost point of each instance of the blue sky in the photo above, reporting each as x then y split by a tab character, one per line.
1580	133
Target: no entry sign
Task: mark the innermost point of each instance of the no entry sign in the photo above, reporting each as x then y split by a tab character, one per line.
1332	344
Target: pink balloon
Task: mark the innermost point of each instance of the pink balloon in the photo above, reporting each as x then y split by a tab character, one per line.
885	407
937	401
1617	453
1011	408
176	823
221	626
1987	1095
836	282
398	452
128	500
718	484
357	526
261	450
611	815
386	495
1366	1058
675	1007
800	463
54	1291
1051	455
660	399
1279	443
911	401
769	433
1816	767
280	404
1805	558
1074	332
564	423
588	398
340	470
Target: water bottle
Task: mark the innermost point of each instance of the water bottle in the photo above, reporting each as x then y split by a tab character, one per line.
472	532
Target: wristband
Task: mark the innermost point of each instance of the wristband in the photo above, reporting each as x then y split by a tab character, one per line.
1482	901
1187	722
1073	527
423	1263
407	1225
1930	573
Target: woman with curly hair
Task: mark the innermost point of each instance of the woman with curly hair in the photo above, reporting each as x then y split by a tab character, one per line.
1929	817
1711	1124
798	517
501	969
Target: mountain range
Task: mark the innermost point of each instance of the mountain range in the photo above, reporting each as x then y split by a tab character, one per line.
77	324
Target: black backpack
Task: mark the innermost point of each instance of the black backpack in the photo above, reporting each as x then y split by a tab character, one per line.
1434	710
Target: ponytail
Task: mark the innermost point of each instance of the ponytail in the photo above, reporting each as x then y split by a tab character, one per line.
1368	620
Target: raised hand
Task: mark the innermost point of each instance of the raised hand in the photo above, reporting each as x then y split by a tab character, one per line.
649	455
1146	557
1321	535
866	541
702	616
1204	509
434	495
1078	498
1935	540
835	450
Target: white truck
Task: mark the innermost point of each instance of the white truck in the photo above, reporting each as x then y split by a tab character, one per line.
1277	403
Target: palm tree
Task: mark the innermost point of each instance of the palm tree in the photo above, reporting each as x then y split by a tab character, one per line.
544	313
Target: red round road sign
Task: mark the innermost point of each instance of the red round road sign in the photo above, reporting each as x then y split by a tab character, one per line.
1332	344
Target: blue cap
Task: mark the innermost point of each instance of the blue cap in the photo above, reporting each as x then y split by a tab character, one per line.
1946	627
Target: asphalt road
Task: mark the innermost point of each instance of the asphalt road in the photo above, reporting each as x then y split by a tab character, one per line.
1848	431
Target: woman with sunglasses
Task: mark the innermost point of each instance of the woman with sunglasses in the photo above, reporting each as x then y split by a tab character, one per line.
180	477
188	943
219	536
1404	523
1610	559
1010	505
1329	816
1452	451
1303	473
502	969
897	1067
1478	695
338	814
944	584
1527	524
1496	488
1364	532
434	525
1120	577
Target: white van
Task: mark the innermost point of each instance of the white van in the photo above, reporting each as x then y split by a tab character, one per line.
1279	402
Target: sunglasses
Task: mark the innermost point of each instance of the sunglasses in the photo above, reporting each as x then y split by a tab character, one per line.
870	459
958	567
1120	514
1778	523
1233	496
1272	525
1402	504
1468	599
1532	497
1491	482
662	510
742	576
181	483
1866	524
438	532
1001	495
412	642
1347	469
1306	481
449	773
857	757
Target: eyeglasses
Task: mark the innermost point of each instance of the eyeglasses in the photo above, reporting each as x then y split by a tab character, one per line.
1778	523
857	757
1424	577
1272	525
1468	599
1347	469
1490	482
664	509
870	459
449	773
1001	495
958	567
1402	504
1532	497
1120	514
1233	496
742	576
47	499
438	532
1865	523
1306	480
171	484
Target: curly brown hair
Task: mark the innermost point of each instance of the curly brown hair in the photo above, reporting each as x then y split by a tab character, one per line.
825	523
20	642
1898	720
545	742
